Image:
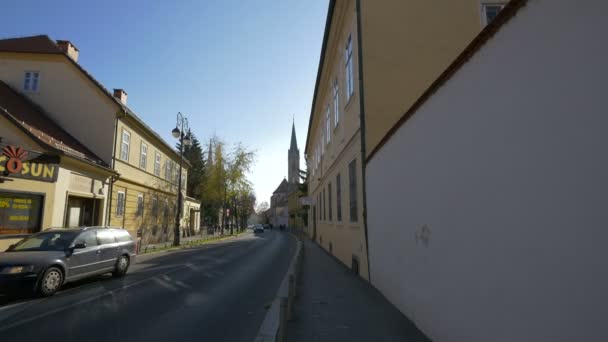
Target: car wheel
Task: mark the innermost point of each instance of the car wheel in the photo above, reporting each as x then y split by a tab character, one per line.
122	265
51	281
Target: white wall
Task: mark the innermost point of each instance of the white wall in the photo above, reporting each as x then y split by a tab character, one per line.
507	166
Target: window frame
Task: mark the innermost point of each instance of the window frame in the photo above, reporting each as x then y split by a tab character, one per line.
329	202
349	70
140	205
154	207
484	12
143	156
336	90
120	206
352	191
157	164
338	198
328	124
29	86
126	151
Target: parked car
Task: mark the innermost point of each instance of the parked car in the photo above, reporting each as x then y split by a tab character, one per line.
258	228
266	226
47	260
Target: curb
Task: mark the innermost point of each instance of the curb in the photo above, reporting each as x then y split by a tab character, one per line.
281	310
166	247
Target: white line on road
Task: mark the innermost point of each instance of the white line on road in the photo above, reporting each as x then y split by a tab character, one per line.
65	307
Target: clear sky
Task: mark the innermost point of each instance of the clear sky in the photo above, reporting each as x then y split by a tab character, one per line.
239	69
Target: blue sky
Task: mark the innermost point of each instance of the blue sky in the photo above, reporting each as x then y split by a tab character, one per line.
239	69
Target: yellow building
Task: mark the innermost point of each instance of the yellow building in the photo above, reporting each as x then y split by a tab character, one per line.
143	197
376	59
47	178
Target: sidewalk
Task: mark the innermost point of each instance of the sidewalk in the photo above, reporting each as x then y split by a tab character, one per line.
335	305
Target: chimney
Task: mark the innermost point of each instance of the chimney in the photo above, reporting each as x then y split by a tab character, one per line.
69	49
121	95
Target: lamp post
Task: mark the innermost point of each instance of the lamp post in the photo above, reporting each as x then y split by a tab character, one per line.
181	132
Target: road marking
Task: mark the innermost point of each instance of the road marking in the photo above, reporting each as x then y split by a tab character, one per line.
87	300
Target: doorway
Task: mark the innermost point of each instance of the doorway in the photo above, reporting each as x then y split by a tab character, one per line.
82	212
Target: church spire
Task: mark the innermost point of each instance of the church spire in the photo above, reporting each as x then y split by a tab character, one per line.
294	142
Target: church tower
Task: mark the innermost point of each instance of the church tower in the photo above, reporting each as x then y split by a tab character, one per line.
293	159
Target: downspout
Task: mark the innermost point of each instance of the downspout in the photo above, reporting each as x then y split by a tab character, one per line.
113	165
362	130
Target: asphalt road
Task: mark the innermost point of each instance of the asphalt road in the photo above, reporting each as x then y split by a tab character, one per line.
215	292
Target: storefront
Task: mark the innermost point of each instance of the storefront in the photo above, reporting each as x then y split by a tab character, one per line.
47	178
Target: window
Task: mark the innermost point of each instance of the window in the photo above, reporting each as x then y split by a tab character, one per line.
324	206
338	198
336	103
490	11
168	170
120	203
329	200
20	213
105	236
320	206
140	205
89	238
350	85
328	124
31	80
352	190
176	176
121	235
124	147
154	207
157	164
143	160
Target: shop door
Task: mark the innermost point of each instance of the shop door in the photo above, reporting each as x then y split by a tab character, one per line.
82	212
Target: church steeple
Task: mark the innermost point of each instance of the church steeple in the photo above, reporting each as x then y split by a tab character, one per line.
294	142
293	158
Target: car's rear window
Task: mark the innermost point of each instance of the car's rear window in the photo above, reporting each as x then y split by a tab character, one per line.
105	236
122	235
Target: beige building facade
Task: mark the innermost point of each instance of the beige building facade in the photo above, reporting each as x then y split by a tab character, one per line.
333	145
143	196
47	178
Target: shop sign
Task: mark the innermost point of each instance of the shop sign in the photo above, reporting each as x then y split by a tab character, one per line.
17	162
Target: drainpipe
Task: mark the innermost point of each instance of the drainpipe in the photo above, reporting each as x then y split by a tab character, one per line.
113	164
362	130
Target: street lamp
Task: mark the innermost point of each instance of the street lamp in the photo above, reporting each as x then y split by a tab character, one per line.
181	132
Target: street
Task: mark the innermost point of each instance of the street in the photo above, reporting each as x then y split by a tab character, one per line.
215	292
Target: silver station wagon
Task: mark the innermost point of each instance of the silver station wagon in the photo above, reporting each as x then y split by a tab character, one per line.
45	261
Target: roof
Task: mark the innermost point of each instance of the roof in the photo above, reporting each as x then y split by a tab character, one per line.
328	21
33	44
36	123
508	12
294	142
283	187
42	44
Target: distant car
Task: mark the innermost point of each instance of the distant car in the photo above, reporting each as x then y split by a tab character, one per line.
258	228
47	260
266	226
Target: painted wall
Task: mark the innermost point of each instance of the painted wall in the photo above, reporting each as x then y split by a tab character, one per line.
406	45
347	238
67	97
487	209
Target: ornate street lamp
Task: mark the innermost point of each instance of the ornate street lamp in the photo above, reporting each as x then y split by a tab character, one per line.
181	132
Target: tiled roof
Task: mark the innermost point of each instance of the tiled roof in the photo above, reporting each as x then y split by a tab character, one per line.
33	44
35	122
